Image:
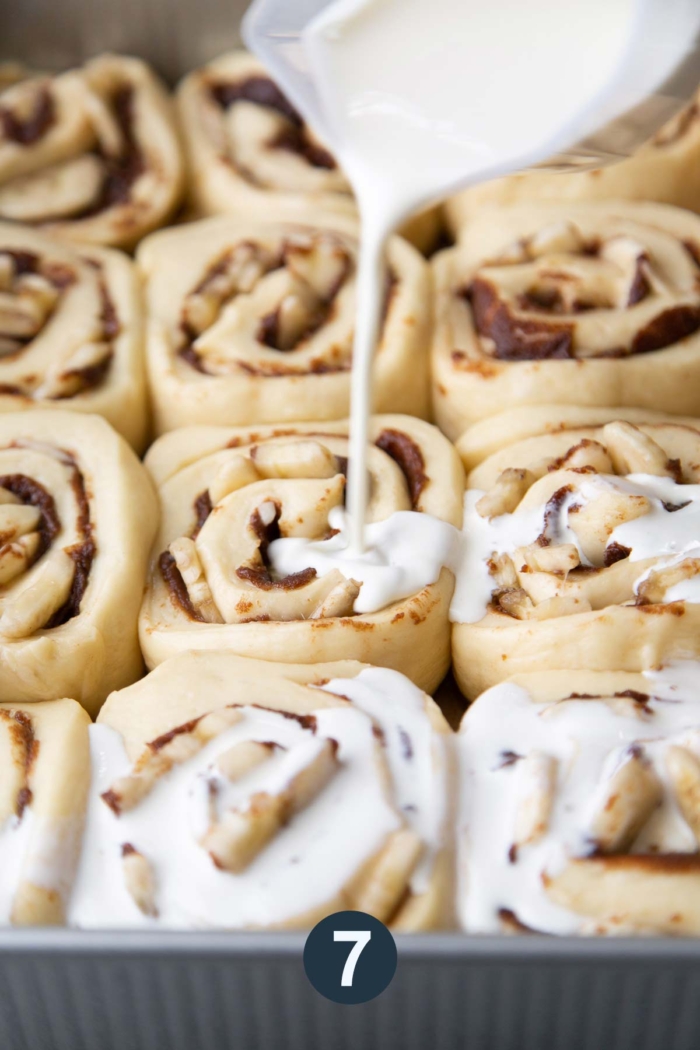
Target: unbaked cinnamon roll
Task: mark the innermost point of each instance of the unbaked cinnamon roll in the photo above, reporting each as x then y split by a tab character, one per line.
581	552
251	155
71	331
43	797
248	148
666	169
230	793
588	304
77	517
253	322
579	808
93	154
251	555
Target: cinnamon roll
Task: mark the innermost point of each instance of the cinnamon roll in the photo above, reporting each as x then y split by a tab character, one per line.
581	552
71	331
579	809
230	793
93	154
251	556
666	169
77	517
251	154
588	304
252	322
43	797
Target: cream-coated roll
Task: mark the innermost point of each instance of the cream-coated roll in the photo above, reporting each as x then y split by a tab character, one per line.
666	169
581	551
252	321
43	798
230	793
579	804
575	304
77	518
71	330
251	555
92	154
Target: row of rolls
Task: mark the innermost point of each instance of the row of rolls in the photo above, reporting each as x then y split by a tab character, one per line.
242	311
283	758
534	469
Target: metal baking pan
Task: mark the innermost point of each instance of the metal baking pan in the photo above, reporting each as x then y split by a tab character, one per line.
70	990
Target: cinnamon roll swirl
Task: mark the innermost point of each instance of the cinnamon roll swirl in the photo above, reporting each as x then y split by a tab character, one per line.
253	322
251	552
666	169
588	304
251	154
231	793
581	552
248	148
43	797
77	516
93	154
579	804
71	331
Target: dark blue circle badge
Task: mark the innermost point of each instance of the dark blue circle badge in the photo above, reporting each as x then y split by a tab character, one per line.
350	957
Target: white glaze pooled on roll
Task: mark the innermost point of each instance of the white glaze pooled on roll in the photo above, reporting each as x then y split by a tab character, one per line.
308	861
405	553
417	757
662	533
589	739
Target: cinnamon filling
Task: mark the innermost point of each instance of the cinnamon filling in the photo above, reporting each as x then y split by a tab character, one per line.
262	91
61	277
551	511
82	553
176	586
259	575
119	171
32	493
26	131
668	328
515	337
25	748
404	451
202	509
273	330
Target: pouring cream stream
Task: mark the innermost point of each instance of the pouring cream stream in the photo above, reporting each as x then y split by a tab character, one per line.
420	97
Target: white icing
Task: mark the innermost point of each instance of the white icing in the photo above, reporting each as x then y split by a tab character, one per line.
588	738
310	859
484	537
15	838
662	534
417	755
404	554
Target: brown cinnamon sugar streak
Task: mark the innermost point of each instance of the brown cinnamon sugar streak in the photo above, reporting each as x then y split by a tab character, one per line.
31	493
262	91
28	130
